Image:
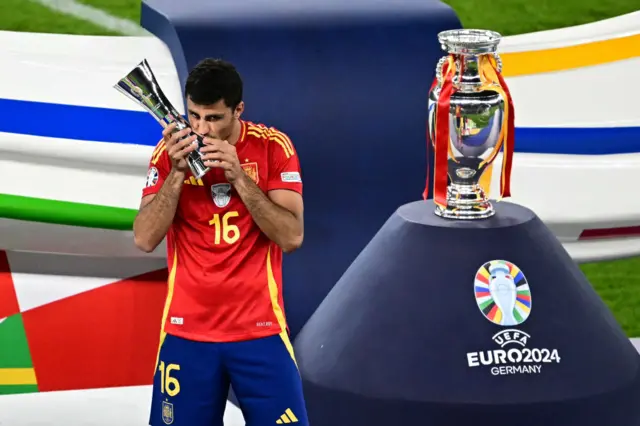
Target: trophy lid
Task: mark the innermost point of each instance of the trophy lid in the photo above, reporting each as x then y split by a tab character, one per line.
470	41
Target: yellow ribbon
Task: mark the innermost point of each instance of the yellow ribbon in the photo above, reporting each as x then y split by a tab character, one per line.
487	68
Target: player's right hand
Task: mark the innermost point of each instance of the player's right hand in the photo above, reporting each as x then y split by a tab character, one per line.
177	147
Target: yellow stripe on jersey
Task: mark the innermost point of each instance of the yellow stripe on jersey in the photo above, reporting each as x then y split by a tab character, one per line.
158	152
281	140
167	304
158	146
277	310
243	130
257	128
272	135
287	142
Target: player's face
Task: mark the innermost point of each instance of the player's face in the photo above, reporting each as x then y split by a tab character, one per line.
215	120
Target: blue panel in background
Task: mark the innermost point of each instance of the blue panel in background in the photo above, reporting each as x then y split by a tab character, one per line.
139	128
79	122
347	80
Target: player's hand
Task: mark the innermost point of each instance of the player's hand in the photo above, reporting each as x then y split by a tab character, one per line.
221	154
177	147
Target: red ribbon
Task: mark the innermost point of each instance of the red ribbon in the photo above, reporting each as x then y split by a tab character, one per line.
425	193
441	139
507	160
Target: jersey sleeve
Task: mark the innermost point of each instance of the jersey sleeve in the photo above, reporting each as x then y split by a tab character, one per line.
284	165
157	171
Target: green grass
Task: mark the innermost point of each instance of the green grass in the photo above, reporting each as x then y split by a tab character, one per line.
617	282
24	15
510	17
127	9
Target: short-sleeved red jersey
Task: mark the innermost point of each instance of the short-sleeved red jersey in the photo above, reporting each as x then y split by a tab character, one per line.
225	275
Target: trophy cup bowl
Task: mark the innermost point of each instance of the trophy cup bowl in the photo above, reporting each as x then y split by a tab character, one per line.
141	86
475	120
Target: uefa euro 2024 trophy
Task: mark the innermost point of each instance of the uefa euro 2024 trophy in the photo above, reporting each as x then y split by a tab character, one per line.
141	86
470	120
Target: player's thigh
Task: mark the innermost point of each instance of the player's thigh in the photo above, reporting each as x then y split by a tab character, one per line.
266	381
190	385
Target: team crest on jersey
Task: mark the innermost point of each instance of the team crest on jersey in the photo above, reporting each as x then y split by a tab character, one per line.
152	177
221	194
167	412
251	169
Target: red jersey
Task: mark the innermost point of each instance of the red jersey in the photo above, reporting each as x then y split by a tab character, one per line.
225	275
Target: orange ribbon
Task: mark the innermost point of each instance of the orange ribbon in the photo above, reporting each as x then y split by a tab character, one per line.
492	80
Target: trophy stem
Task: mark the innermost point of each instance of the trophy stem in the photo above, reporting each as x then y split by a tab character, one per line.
196	164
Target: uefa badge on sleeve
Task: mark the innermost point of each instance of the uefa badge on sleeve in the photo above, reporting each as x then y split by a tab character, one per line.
152	177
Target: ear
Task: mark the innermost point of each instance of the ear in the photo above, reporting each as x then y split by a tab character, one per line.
239	110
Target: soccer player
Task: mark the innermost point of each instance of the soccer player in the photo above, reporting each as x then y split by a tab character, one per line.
224	322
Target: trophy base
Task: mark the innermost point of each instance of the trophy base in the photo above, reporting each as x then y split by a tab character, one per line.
466	202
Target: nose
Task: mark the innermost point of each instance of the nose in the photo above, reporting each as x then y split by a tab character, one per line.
196	125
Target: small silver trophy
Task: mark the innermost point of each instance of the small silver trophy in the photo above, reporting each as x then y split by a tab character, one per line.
141	86
470	120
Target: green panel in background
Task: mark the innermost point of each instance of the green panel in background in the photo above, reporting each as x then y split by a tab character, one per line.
14	348
65	213
13	389
14	353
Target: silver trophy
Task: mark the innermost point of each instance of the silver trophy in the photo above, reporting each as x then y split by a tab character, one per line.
141	86
475	127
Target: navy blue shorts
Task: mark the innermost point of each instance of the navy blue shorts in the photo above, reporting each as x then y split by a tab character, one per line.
192	379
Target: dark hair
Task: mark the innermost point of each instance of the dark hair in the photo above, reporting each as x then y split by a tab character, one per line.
212	80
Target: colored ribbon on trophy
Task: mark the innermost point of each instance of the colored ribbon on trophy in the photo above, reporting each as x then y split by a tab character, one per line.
494	81
441	136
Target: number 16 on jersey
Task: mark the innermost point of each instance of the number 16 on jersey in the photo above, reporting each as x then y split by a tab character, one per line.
223	229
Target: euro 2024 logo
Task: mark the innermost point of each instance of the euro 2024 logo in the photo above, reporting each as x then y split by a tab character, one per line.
503	296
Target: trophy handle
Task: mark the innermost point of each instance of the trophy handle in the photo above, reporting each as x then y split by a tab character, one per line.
439	70
498	62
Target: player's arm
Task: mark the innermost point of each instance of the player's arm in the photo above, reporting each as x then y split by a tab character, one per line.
157	212
162	193
279	213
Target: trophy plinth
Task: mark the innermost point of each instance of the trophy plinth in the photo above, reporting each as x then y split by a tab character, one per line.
449	322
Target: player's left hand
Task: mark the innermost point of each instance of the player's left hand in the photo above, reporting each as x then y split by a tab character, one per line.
221	154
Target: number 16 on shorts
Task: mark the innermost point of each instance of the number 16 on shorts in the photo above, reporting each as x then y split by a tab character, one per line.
169	385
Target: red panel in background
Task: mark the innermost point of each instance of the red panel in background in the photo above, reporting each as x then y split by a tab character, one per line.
628	231
8	299
101	338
